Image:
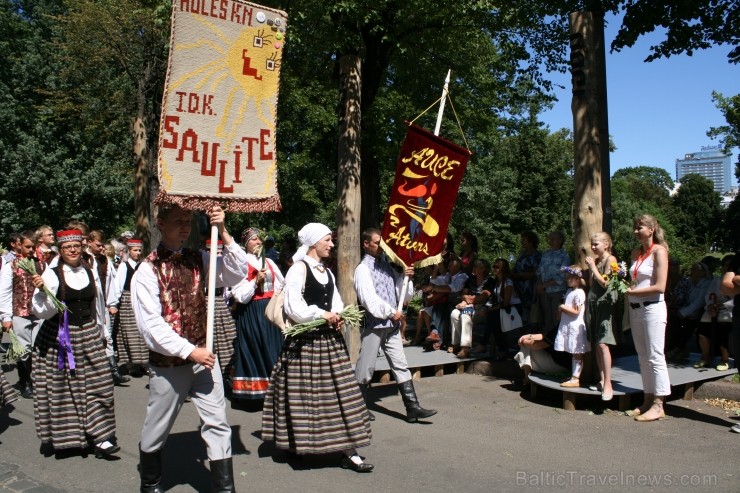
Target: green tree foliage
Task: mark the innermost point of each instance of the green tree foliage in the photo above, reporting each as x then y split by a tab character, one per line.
697	211
690	25
730	133
731	225
53	169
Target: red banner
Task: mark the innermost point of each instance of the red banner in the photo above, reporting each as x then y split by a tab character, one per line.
428	177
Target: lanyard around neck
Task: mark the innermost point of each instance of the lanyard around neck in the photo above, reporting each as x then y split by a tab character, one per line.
641	259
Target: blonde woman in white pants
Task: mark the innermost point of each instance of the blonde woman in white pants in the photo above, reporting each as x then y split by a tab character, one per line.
648	314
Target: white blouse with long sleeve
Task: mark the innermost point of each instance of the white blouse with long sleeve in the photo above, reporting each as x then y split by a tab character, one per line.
244	291
156	332
76	278
295	306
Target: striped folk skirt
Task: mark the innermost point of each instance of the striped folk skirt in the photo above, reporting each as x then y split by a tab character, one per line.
314	404
258	344
7	392
72	408
224	335
130	344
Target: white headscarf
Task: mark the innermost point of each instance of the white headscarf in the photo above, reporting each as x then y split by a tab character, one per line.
309	235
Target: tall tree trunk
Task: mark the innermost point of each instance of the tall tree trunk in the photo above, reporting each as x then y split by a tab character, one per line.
146	181
589	138
348	187
606	183
140	139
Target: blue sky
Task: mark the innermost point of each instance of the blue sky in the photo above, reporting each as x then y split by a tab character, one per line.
658	111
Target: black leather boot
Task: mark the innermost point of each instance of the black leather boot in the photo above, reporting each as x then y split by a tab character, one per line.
118	379
150	471
414	411
363	388
222	475
24	378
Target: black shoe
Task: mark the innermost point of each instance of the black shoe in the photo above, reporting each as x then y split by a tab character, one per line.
222	475
118	379
150	471
104	453
362	467
27	390
414	412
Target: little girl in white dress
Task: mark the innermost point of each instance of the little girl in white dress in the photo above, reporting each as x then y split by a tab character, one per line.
571	336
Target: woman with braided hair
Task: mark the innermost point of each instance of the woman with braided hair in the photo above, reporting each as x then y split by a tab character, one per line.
73	402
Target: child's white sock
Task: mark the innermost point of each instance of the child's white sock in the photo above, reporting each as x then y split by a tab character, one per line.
577	366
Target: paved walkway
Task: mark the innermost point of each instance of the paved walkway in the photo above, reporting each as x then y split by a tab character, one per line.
486	437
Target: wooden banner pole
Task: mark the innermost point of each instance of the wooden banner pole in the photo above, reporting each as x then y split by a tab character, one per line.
211	287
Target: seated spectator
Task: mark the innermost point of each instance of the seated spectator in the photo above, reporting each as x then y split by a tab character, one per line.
471	309
506	298
468	251
537	354
684	315
440	294
716	323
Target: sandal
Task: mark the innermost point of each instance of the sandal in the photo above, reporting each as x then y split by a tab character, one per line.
723	366
700	364
573	382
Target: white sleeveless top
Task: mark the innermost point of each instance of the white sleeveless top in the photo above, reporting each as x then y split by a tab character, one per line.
645	278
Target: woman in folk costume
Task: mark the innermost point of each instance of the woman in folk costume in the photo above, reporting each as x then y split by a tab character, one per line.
7	392
132	350
224	329
258	340
314	404
73	402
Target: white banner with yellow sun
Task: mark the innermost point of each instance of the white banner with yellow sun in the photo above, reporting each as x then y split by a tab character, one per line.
217	132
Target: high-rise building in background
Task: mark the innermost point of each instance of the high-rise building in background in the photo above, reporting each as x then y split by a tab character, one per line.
712	164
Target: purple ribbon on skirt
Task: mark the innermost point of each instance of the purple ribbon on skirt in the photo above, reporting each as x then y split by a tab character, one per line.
65	344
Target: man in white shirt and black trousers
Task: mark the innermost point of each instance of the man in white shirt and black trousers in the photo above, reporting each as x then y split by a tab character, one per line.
378	288
169	302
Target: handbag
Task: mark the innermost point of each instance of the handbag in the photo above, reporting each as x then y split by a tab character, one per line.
275	309
510	319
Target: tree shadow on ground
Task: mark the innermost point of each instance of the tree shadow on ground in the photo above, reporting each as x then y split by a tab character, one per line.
680	412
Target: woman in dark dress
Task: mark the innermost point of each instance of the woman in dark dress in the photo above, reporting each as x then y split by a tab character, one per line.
314	404
600	310
258	340
73	402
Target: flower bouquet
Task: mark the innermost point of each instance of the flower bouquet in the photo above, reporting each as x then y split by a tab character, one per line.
16	351
27	265
616	281
352	315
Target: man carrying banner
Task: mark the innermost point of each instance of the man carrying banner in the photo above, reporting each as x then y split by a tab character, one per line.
168	297
378	289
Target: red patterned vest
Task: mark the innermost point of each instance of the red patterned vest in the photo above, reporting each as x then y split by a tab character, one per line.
181	281
23	289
